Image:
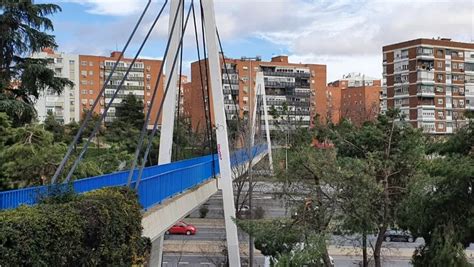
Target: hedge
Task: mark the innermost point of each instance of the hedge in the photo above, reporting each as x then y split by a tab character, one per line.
102	227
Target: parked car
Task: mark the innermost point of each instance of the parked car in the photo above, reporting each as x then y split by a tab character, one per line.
398	235
182	228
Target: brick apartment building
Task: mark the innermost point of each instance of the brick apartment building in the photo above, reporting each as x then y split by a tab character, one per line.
65	106
94	70
355	97
431	81
89	73
290	84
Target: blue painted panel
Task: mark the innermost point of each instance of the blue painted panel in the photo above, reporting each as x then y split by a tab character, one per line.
159	182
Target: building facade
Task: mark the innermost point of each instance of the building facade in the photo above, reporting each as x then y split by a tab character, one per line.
65	106
89	73
355	97
141	81
431	81
289	87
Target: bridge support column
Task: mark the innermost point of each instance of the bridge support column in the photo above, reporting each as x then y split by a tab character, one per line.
169	106
156	256
260	84
221	133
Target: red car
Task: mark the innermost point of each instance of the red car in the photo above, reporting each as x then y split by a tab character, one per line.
182	228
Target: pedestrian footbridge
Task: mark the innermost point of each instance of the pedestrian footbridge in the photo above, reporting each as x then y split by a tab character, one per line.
166	192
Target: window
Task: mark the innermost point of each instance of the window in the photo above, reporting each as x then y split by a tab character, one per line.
439	89
440	64
91	82
424	51
440	101
461	66
83	63
84	73
440	115
439	53
91	92
245	68
461	103
71	62
440	126
455	65
84	101
84	82
91	101
91	73
91	64
59	60
440	77
84	92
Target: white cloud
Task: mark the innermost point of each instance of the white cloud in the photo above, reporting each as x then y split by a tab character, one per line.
111	7
347	35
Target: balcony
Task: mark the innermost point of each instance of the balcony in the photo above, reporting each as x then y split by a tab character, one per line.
287	74
126	87
424	53
231	81
425	76
426	92
125	69
280	84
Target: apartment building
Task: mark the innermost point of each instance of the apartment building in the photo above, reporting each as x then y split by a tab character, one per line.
63	106
431	81
94	70
355	97
289	88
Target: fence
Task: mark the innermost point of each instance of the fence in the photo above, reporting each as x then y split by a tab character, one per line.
159	182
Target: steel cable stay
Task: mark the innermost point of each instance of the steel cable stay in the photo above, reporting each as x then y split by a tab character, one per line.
180	83
155	125
96	101
207	89
148	113
104	114
207	114
226	70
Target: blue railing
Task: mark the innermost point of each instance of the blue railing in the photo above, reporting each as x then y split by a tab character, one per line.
159	182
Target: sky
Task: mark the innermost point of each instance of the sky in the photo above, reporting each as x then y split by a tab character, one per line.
346	35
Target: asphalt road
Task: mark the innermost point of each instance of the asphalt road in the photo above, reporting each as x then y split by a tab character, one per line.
274	208
174	260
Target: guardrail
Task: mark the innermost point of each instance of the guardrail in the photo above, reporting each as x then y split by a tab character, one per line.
159	182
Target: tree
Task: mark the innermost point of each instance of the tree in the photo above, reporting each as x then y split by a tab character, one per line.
272	237
130	112
439	206
23	31
30	157
312	183
391	152
54	127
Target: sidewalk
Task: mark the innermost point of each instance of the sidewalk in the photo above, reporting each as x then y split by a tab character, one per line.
213	247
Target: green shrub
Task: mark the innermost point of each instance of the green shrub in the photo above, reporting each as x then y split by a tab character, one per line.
203	210
259	213
102	227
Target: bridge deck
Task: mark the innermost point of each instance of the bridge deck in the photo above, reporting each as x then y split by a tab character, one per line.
159	182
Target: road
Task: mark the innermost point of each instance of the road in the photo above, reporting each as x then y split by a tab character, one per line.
190	260
274	208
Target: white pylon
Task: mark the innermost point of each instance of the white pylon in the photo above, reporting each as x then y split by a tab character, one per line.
221	133
260	85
